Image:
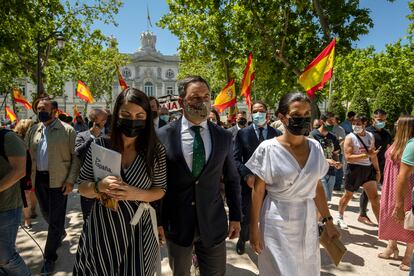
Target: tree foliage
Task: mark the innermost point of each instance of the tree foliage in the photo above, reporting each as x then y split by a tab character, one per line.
359	103
26	26
335	105
284	36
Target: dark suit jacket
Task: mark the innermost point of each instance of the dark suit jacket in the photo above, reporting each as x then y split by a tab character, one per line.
82	144
245	145
191	201
233	130
161	123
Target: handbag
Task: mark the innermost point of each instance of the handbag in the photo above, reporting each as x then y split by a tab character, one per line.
409	215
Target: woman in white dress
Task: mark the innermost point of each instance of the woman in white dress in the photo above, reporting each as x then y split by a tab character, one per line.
283	225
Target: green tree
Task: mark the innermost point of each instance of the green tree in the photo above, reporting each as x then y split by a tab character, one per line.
389	101
359	104
336	106
26	26
283	35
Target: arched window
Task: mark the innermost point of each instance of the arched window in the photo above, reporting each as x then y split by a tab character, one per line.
149	89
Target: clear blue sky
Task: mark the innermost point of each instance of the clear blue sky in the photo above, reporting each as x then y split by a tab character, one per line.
390	24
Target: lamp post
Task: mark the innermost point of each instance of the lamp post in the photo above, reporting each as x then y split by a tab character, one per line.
58	36
64	101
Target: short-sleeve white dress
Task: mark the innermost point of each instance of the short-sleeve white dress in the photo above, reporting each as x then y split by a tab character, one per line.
288	220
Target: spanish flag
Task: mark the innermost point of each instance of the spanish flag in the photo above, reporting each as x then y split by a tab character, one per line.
18	97
121	80
226	97
319	71
247	80
10	114
82	91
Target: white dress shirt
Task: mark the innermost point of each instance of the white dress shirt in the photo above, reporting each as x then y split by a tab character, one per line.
187	139
156	122
265	131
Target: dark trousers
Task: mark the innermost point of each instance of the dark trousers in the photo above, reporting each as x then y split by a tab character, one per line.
86	206
52	204
339	175
246	195
211	261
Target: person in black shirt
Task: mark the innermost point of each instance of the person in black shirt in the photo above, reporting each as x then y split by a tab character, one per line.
331	149
383	139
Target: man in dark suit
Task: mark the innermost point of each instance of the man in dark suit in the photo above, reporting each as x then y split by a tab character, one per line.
155	109
199	153
247	140
97	120
241	122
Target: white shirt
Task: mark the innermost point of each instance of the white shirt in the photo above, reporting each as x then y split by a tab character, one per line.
156	123
187	139
358	147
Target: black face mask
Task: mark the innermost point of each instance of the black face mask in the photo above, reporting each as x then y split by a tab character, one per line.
154	114
44	116
242	122
299	126
131	128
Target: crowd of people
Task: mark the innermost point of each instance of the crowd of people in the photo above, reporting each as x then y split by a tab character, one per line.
177	174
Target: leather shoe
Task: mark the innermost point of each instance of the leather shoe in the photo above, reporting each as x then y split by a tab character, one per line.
48	267
240	247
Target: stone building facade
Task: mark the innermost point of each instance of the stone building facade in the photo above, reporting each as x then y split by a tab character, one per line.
147	69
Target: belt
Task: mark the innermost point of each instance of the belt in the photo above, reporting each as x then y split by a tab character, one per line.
144	206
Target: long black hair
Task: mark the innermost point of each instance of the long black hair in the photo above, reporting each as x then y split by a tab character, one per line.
147	143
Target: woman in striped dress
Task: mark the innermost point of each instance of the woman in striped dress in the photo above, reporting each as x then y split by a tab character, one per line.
110	244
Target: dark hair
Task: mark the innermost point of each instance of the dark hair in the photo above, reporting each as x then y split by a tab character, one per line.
288	99
242	112
259	102
327	115
55	104
380	112
145	144
350	114
361	117
184	83
217	116
151	98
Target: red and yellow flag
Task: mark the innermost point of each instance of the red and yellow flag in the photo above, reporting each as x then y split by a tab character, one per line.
121	80
18	97
226	97
82	91
10	114
247	80
319	71
76	112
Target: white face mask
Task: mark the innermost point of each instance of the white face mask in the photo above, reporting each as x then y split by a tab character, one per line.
357	129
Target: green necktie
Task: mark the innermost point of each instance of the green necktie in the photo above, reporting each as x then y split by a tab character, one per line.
199	154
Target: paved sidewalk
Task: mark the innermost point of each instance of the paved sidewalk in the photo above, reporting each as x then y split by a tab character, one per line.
360	240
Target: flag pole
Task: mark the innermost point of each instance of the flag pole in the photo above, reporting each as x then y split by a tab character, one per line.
330	87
